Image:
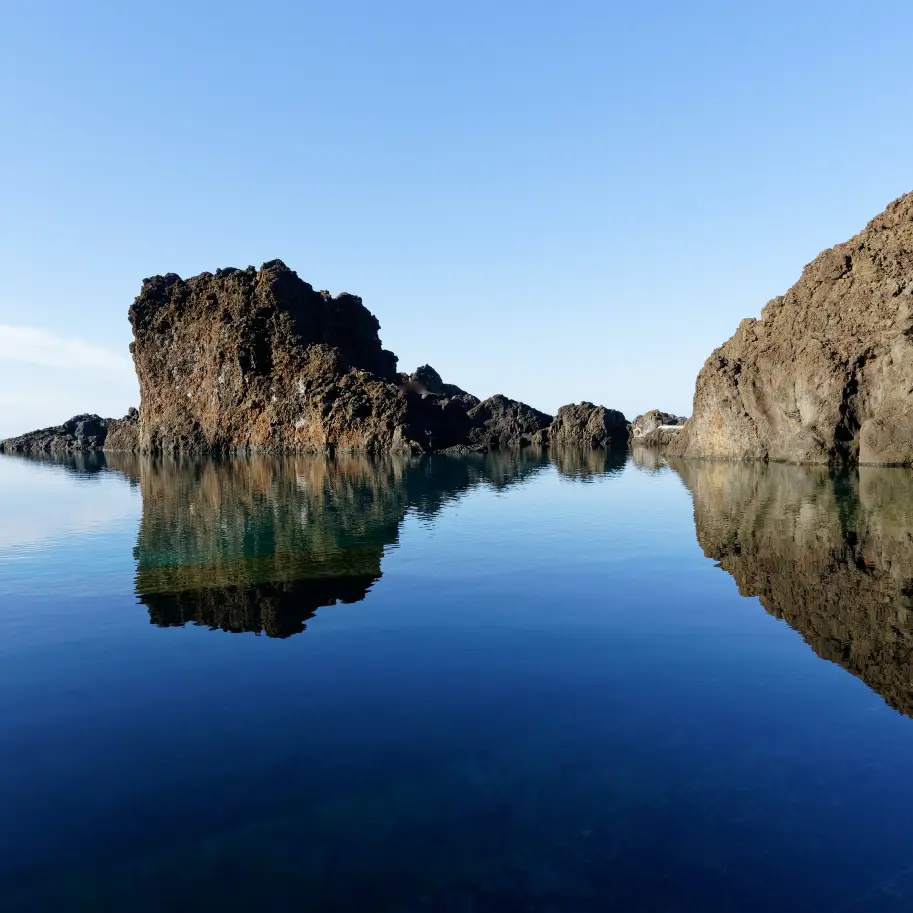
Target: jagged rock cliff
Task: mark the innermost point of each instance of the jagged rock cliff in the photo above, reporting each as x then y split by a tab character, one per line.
259	360
826	374
829	554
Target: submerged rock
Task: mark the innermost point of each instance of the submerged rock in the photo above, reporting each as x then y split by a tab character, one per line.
584	425
826	374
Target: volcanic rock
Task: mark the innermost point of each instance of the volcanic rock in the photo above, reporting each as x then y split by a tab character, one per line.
826	374
79	434
584	425
502	422
655	428
248	360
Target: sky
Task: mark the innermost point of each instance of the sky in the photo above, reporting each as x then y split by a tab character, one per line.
554	201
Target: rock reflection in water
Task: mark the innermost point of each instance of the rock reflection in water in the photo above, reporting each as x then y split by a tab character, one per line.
830	554
259	545
585	465
648	459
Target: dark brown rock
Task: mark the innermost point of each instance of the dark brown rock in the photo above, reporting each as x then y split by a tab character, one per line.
123	433
81	433
826	374
502	422
258	360
585	425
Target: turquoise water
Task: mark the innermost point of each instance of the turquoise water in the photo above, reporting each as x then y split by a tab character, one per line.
513	683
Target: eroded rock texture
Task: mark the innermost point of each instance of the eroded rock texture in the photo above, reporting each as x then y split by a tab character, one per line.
655	428
502	422
259	360
831	554
80	434
585	425
826	374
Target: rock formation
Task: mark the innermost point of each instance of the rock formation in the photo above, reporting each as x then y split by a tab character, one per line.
655	429
829	554
585	425
246	361
502	422
826	374
82	433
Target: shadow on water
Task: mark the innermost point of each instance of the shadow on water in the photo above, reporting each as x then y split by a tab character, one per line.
831	554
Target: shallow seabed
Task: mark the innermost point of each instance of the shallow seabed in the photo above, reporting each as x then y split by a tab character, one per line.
583	682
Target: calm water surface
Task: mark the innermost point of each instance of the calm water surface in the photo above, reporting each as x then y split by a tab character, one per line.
502	684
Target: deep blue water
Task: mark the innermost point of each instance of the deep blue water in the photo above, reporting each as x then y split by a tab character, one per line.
584	683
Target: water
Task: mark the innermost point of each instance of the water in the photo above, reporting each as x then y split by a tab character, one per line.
500	684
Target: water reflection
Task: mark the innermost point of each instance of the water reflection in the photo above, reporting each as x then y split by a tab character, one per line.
586	465
649	459
830	554
259	545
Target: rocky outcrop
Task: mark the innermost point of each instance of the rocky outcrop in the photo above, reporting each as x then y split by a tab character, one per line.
584	425
82	433
123	433
246	361
502	422
257	360
830	554
426	380
826	374
655	429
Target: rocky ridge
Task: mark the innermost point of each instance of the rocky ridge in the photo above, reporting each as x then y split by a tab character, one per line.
246	361
826	374
82	433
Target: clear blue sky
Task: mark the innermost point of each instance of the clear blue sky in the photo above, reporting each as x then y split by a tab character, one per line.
557	201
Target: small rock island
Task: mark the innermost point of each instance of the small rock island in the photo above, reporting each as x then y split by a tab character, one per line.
254	360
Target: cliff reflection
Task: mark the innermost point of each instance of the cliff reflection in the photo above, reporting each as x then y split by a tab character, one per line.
259	545
830	554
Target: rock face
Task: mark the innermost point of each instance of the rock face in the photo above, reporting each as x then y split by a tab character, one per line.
585	425
830	554
81	433
245	361
248	360
502	422
655	429
826	374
